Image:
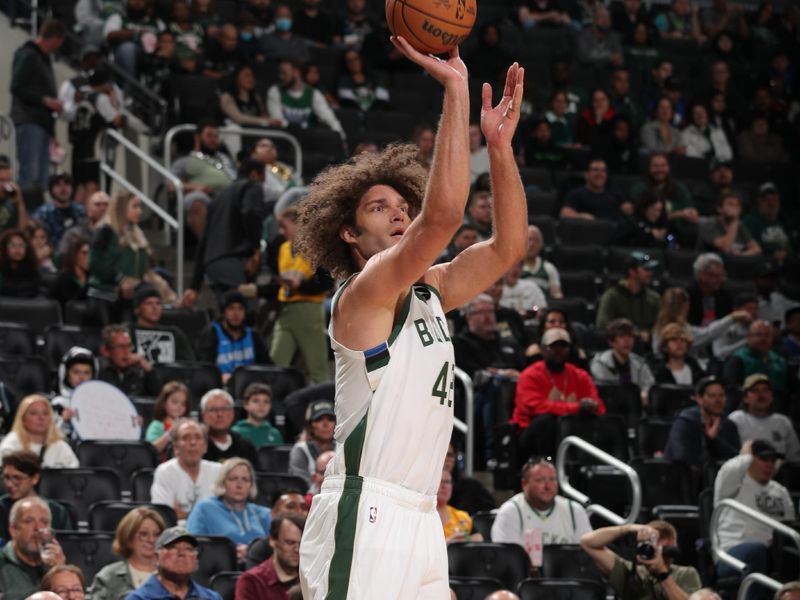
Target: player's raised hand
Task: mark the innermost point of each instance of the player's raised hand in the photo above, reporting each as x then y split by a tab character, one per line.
444	71
500	122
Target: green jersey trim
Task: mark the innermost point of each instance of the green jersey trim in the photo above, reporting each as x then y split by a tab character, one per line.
344	535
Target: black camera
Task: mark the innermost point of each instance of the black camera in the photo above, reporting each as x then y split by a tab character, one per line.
645	550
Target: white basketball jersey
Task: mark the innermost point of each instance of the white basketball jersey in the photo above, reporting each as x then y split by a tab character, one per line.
394	402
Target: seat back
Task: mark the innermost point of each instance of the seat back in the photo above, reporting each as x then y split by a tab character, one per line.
585	257
82	487
664	482
652	434
482	522
25	374
622	399
568	561
667	399
274	459
561	589
215	554
608	433
197	376
60	338
224	583
585	231
16	339
258	551
474	588
508	563
124	457
106	515
141	482
271	485
88	551
36	313
191	321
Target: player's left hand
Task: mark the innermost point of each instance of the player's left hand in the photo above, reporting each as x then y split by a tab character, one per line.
499	123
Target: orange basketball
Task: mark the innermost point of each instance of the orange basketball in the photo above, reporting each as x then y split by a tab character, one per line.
431	26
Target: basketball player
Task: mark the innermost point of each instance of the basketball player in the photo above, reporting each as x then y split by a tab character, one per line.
374	532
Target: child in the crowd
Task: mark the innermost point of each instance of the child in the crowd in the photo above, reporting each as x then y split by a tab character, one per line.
171	405
256	428
77	365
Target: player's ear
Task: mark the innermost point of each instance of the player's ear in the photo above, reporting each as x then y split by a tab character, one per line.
348	234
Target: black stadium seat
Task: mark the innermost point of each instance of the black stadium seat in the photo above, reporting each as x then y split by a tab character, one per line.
274	459
199	377
106	514
652	434
60	338
568	561
141	482
508	563
474	588
25	375
215	554
88	550
668	399
584	231
561	589
297	402
16	339
36	313
609	433
224	583
191	321
664	482
124	457
482	522
585	257
270	485
82	487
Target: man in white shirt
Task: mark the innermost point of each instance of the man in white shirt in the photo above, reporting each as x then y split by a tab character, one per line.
747	478
521	294
183	481
538	515
755	420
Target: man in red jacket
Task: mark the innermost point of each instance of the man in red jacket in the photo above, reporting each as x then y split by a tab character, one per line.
548	389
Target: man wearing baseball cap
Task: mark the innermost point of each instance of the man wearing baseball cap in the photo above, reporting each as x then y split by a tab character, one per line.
756	420
548	389
631	297
767	226
747	478
320	424
158	343
176	555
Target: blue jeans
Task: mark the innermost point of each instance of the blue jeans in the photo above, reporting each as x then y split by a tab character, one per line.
33	154
756	557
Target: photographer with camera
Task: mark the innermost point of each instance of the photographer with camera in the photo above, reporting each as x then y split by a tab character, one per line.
13	214
651	575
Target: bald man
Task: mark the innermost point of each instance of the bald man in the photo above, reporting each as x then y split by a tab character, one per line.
502	595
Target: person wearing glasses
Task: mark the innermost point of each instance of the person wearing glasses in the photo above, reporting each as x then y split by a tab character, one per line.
134	542
21	473
272	579
217	413
231	512
64	580
183	481
538	515
176	556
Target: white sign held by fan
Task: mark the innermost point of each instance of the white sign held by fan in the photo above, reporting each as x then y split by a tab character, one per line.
104	412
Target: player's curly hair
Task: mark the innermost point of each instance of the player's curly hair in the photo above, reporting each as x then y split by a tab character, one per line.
334	196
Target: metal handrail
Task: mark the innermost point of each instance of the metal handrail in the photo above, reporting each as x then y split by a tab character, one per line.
752	578
736	506
154	108
469	427
567	488
177	224
263	132
9	132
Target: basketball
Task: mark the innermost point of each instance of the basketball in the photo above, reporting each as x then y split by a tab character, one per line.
431	26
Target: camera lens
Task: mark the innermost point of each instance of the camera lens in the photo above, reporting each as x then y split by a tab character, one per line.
645	550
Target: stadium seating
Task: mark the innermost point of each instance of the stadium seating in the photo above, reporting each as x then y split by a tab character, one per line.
274	459
508	563
561	589
82	487
123	457
16	339
224	583
106	515
89	551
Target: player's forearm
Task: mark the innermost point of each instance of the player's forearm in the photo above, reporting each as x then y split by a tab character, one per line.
510	239
448	185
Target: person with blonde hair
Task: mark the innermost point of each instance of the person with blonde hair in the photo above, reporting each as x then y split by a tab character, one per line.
675	309
677	365
35	429
119	258
230	511
135	543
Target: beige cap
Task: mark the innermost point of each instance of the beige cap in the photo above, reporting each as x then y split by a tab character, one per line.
754	379
555	335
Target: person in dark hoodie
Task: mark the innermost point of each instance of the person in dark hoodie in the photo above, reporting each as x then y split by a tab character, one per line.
34	102
77	365
231	246
702	433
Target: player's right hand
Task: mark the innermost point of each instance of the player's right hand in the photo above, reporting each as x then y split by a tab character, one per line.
450	71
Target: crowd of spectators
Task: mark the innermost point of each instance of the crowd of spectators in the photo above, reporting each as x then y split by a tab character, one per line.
664	134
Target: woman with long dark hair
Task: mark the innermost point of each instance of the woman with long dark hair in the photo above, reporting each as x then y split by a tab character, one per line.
19	269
